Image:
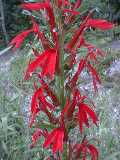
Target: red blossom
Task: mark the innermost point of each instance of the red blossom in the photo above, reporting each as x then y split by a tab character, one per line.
52	24
99	23
46	61
63	3
77	4
51	19
93	151
18	40
83	113
38	103
74	79
84	148
70	19
95	75
73	104
55	137
49	92
36	136
75	38
45	42
92	49
35	6
73	12
66	108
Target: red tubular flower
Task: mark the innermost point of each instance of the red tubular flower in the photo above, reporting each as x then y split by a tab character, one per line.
18	40
38	103
49	92
63	3
73	12
81	66
84	148
77	4
84	111
36	136
70	19
70	45
46	61
65	109
44	5
73	104
55	137
45	42
99	23
95	75
93	151
35	6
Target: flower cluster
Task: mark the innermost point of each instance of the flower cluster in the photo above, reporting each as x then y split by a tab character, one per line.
58	95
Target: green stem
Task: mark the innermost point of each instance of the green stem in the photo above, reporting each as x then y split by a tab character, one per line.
62	71
61	52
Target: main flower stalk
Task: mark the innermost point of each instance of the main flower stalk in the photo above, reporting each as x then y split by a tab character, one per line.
58	94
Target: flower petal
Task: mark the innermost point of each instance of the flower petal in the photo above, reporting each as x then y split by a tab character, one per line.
99	23
35	6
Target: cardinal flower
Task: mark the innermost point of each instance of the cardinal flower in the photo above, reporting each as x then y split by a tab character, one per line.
38	103
83	113
95	75
71	18
36	136
18	40
51	19
46	61
45	42
49	92
55	137
35	6
99	23
81	66
85	148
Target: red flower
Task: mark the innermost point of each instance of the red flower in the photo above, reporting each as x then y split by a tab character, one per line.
74	103
93	151
99	23
71	18
84	148
77	4
18	40
73	12
49	92
44	5
46	61
63	3
79	32
55	137
65	109
38	103
36	135
95	75
45	42
74	79
35	6
83	113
